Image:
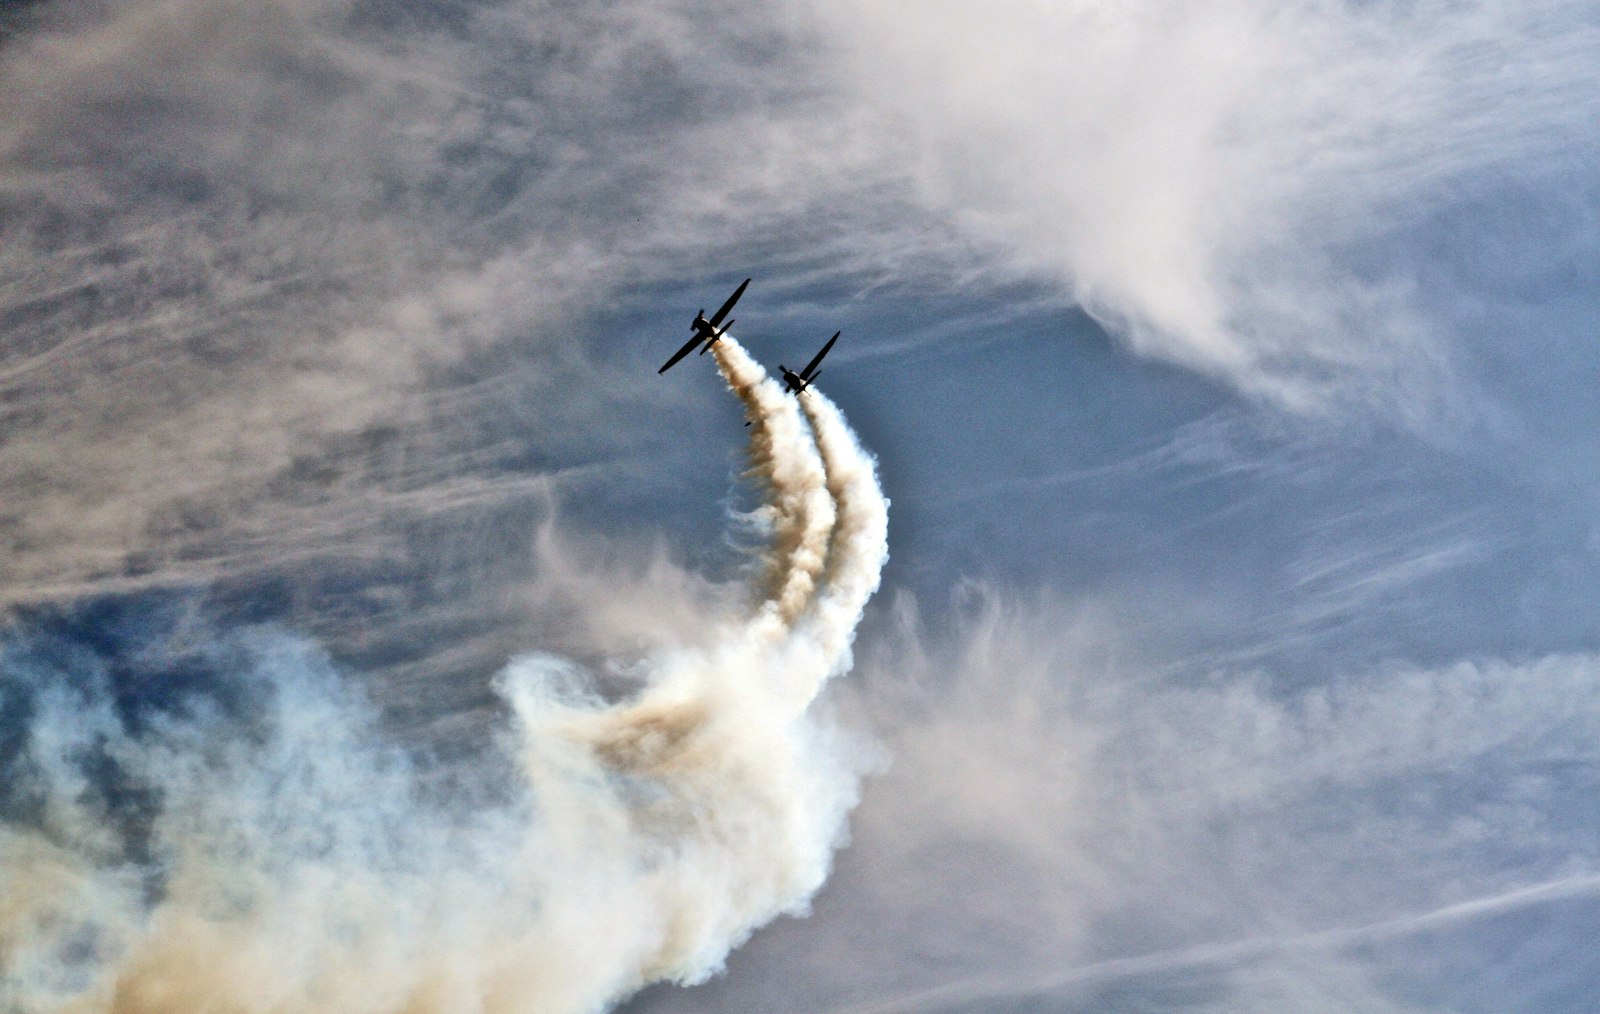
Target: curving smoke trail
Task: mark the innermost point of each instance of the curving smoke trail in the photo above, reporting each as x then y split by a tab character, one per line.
861	539
253	845
732	719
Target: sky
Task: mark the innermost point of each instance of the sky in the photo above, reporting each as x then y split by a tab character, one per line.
1177	595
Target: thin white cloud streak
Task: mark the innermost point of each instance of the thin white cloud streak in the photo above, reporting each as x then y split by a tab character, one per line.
1308	956
1244	189
1307	542
282	858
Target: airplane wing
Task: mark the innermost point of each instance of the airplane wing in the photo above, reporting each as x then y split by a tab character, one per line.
811	367
716	318
696	340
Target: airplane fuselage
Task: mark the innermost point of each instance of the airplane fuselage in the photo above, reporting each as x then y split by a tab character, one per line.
706	332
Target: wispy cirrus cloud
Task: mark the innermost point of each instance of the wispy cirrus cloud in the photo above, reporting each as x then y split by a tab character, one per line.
286	281
1258	191
241	242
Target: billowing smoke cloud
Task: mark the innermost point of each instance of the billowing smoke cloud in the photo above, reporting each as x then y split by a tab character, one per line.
1066	826
249	842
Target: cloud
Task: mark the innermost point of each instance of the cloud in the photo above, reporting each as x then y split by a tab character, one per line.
275	272
1251	190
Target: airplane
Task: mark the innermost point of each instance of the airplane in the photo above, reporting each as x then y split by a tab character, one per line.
706	330
798	382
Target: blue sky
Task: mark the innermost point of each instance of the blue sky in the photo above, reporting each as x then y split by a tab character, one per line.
1229	370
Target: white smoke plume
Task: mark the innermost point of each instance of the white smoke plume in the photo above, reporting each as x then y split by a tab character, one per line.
256	846
863	530
801	503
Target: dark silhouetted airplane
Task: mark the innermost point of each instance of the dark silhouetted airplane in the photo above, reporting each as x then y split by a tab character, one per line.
798	382
707	330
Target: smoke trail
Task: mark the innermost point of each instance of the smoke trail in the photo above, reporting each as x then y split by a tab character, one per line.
248	842
830	521
786	462
861	540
